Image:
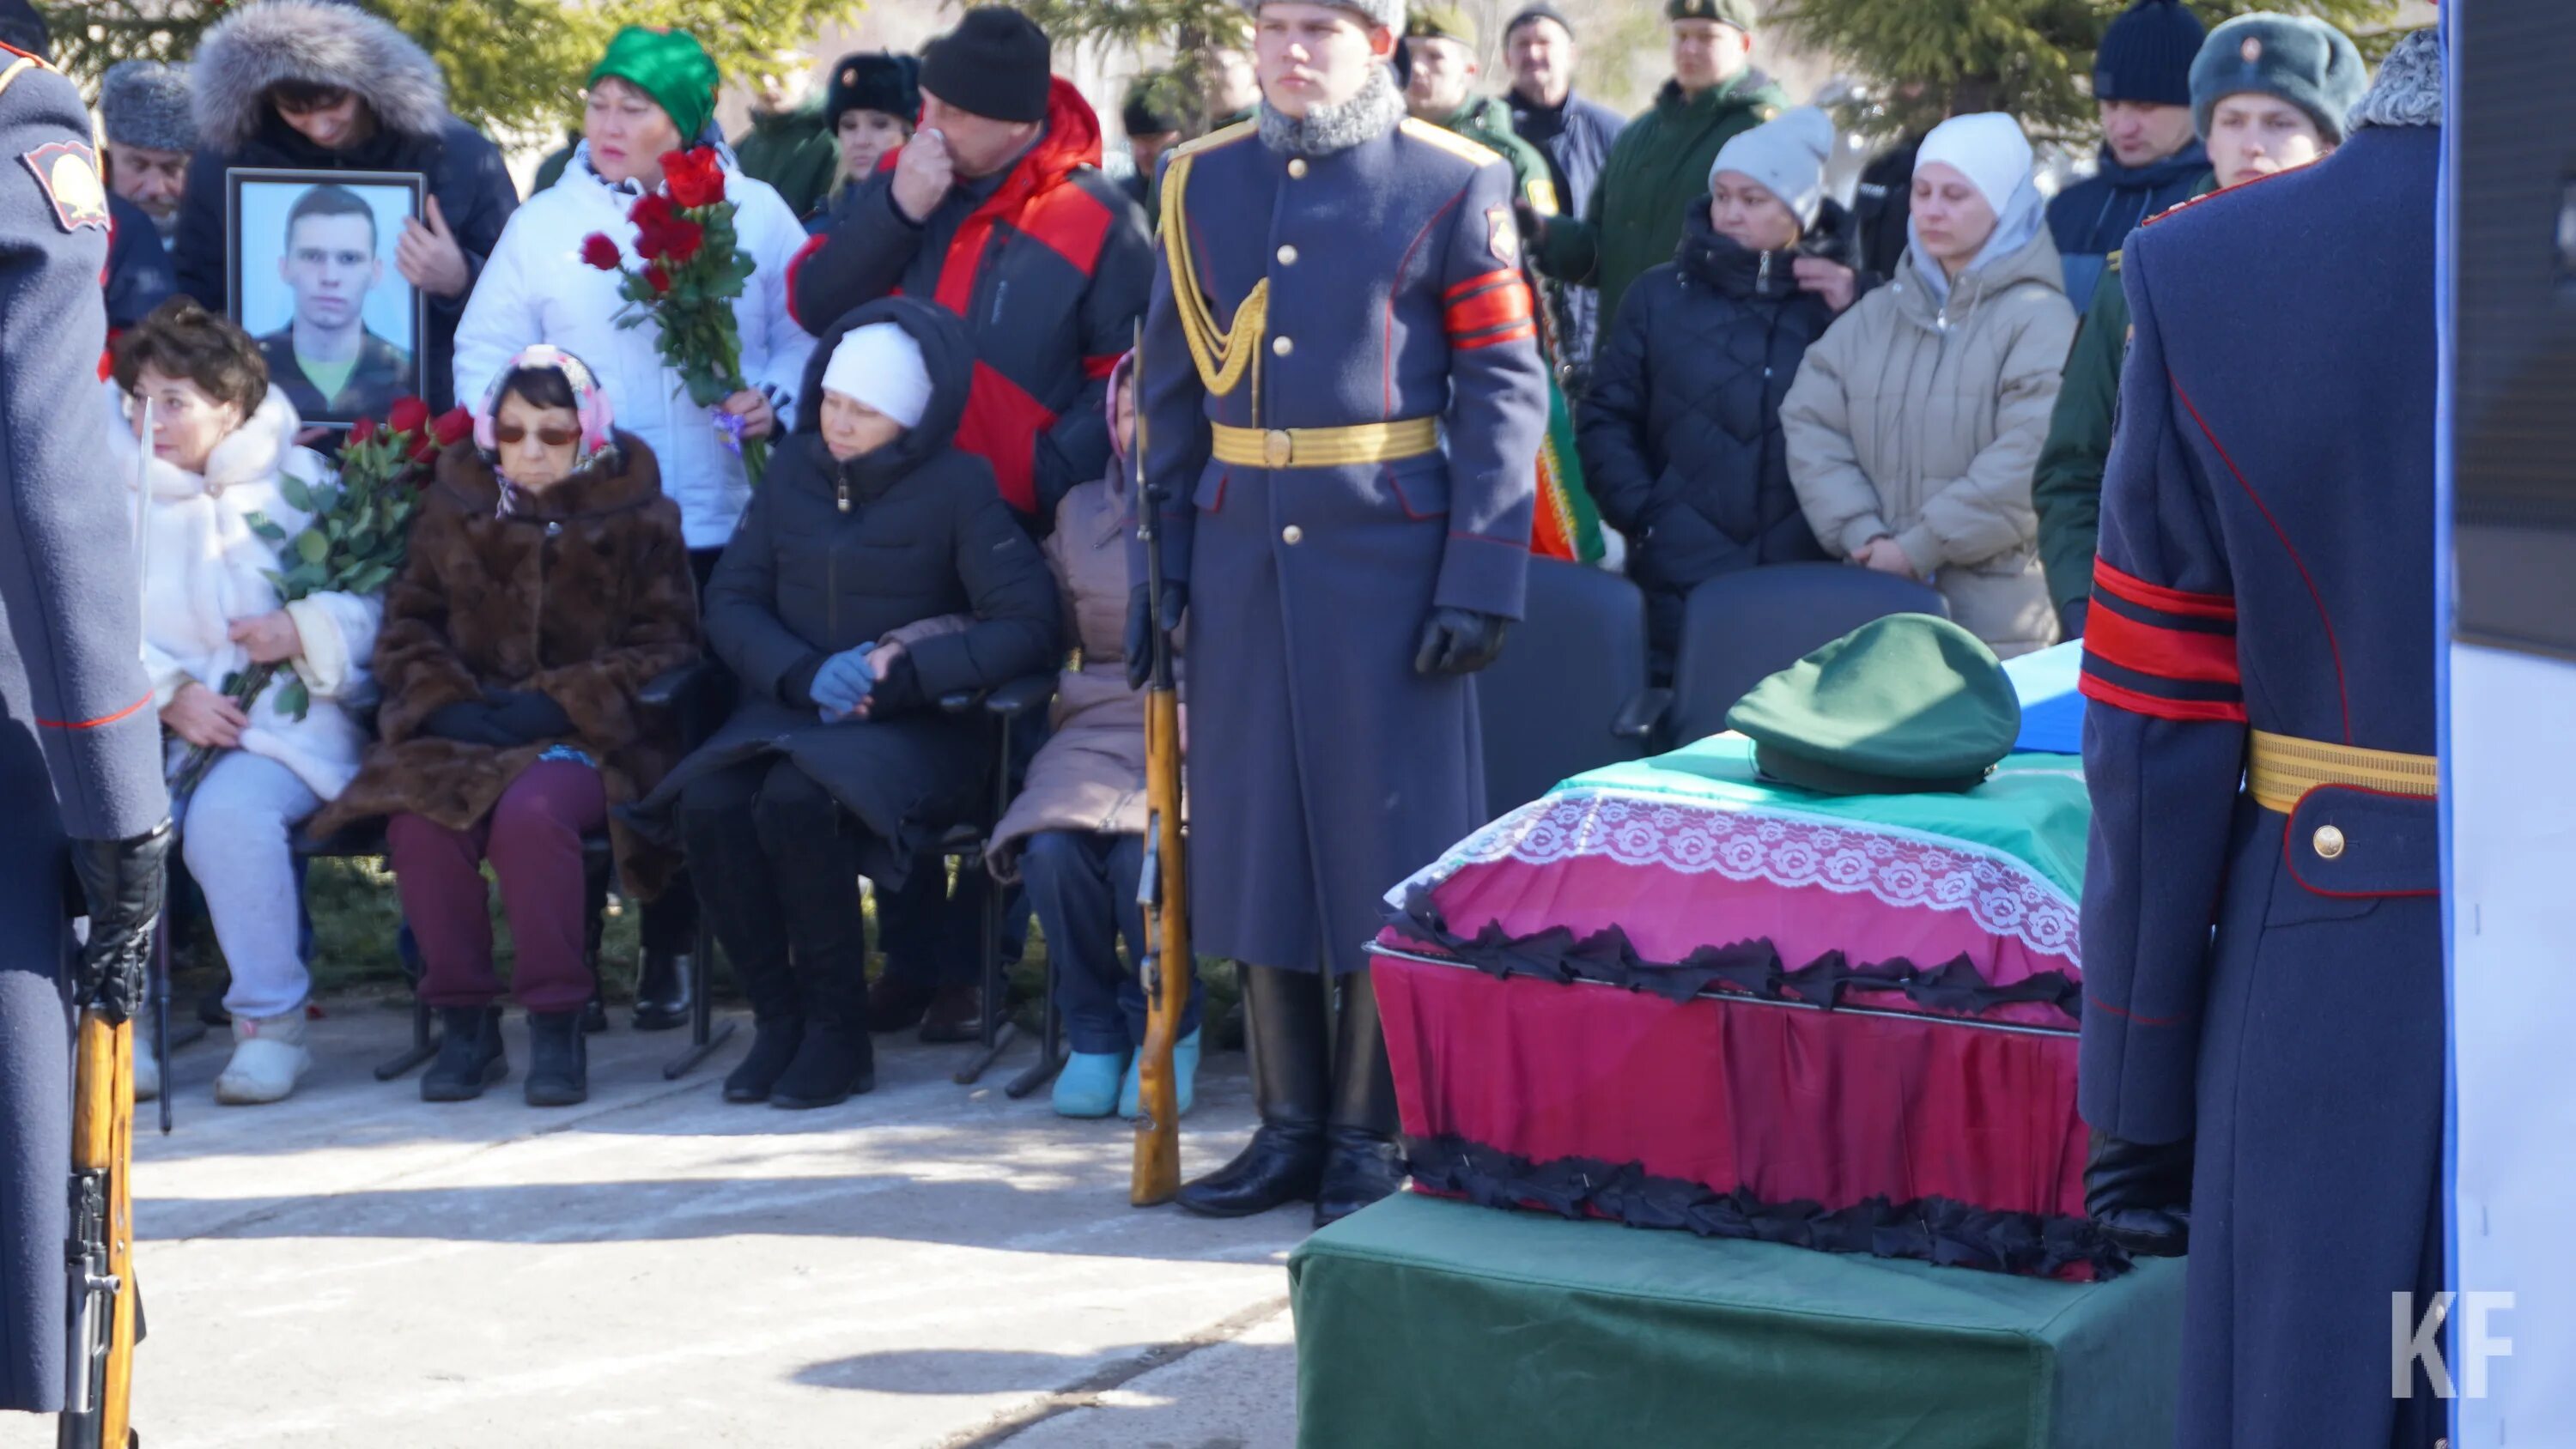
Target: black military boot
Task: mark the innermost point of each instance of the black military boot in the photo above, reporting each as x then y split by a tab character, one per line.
469	1055
1284	1026
1362	1161
558	1059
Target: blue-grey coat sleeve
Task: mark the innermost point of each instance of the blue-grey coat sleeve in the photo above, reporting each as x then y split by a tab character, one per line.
1497	414
67	583
2164	748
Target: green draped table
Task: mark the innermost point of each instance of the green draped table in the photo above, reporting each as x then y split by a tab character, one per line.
1423	1322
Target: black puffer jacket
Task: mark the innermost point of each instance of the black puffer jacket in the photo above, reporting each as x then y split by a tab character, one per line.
327	43
1680	433
834	555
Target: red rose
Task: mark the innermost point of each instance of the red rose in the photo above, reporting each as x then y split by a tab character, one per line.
658	279
453	426
410	415
652	211
695	178
681	240
363	431
600	252
423	448
650	243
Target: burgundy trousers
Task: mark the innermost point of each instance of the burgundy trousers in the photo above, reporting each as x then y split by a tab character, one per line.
533	839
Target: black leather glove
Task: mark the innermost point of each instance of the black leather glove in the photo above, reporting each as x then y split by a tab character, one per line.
121	884
2070	617
2140	1195
1526	217
898	690
1459	641
1140	629
468	722
527	715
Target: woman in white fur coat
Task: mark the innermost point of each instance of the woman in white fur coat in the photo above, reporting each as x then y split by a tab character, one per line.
222	440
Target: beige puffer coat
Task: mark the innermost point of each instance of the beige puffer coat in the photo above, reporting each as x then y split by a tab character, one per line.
1924	420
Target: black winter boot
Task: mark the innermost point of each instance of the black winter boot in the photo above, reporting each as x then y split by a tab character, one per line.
662	991
833	1064
1284	1027
469	1055
558	1060
773	1046
1362	1161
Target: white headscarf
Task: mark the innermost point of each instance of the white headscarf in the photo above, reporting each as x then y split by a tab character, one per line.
1990	150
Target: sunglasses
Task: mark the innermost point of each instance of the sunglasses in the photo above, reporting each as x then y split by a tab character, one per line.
303	98
510	435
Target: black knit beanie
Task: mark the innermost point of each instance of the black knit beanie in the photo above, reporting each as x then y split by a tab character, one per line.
994	64
1540	11
873	81
2146	55
1148	110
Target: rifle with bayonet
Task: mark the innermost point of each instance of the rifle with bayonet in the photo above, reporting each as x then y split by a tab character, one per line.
1163	886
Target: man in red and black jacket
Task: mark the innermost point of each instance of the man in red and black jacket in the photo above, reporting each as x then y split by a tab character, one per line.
998	210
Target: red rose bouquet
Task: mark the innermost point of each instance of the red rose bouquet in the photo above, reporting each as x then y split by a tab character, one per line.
694	268
359	530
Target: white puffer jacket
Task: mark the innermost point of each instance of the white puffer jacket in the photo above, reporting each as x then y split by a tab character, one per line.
207	570
536	288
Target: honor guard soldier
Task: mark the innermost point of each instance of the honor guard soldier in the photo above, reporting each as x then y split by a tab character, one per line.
1343	402
80	746
2259	658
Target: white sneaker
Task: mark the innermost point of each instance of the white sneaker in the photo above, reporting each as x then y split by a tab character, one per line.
147	1067
268	1060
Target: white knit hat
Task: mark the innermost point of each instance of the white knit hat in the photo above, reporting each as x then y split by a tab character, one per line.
880	365
1787	155
1988	148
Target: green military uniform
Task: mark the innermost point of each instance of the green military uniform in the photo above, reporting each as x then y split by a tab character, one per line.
794	152
2066	489
1658	165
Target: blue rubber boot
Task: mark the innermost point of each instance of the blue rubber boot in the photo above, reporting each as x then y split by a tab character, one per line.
1185	1074
1088	1085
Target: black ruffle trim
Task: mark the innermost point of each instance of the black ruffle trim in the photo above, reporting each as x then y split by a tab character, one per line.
1752	967
1930	1229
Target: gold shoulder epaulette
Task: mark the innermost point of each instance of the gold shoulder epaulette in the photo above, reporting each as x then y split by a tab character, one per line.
1450	141
19	63
1221	136
2113	262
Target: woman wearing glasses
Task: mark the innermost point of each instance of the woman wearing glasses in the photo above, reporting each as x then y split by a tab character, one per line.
547	583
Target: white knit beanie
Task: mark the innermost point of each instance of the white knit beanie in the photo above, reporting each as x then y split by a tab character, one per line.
1988	148
1787	155
880	365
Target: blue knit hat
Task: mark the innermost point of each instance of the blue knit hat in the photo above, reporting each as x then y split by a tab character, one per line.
2146	55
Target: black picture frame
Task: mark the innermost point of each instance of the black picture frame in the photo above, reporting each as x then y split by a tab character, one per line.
261	206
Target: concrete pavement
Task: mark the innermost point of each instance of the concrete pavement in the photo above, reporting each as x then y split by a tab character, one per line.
929	1265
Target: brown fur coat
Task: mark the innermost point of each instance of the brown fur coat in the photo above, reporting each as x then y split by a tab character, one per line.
587	598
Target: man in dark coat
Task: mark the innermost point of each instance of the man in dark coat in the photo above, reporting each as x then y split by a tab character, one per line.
1634	216
1153	127
316	85
789	143
2260	665
80	748
1575	134
2150	158
1346	506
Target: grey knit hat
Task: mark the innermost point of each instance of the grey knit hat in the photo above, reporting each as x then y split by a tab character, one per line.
1787	155
1389	13
145	103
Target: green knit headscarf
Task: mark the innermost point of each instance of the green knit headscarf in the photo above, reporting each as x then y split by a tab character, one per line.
672	68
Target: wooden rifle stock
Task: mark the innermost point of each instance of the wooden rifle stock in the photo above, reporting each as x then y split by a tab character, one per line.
104	1316
1163	890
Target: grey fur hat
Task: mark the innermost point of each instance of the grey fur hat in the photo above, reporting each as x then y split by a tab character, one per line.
319	42
145	103
1389	13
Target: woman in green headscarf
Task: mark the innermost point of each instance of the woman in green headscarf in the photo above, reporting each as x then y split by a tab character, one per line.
654	92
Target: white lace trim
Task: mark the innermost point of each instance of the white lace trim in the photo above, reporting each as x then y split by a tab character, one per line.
1899	867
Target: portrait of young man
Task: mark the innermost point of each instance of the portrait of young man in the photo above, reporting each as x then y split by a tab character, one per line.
334	367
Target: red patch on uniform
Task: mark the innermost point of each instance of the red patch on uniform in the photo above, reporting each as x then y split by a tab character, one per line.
68	173
1502	236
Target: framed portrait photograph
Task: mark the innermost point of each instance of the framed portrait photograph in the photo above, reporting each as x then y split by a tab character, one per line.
311	258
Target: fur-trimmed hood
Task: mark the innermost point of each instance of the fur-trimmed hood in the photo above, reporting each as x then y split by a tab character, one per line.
316	41
2408	89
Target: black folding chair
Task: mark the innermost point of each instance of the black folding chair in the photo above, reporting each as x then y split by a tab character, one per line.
964	845
694	701
1741	628
1568	693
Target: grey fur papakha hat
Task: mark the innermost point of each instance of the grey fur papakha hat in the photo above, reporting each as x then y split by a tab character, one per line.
145	103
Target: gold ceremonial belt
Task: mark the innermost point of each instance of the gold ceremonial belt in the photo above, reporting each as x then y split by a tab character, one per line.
2284	767
1326	447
